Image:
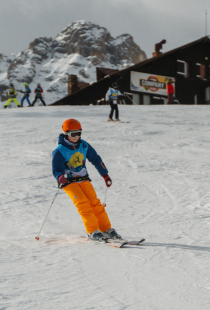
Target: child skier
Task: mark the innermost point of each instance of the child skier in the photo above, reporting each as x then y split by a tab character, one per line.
112	96
26	95
12	93
69	169
38	91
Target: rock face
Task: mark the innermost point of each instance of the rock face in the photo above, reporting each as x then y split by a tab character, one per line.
91	40
78	49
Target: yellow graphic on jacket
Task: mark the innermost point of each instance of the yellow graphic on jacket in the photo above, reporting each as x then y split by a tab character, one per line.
76	160
12	93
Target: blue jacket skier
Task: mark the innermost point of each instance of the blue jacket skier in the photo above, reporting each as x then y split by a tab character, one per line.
69	169
26	95
112	96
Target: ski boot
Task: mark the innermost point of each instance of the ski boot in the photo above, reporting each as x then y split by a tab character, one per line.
112	234
117	120
110	120
97	235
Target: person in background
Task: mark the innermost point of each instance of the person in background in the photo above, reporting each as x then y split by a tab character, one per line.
12	93
170	91
38	91
69	169
112	96
26	95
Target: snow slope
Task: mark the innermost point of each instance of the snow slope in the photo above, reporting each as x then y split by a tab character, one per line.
159	164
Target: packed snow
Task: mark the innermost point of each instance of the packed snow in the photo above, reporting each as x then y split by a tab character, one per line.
159	163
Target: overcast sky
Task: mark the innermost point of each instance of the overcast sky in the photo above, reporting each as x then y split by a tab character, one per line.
148	21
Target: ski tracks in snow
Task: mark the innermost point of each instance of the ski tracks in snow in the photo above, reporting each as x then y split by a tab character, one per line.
159	164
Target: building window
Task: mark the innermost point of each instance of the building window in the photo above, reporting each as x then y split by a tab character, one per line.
146	99
208	95
181	67
184	68
201	71
198	70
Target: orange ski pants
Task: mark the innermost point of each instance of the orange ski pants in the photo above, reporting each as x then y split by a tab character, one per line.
89	206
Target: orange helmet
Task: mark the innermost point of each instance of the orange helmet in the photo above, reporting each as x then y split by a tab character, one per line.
71	124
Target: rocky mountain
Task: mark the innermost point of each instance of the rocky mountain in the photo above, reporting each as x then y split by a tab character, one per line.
78	49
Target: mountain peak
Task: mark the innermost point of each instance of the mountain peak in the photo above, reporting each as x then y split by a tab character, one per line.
77	49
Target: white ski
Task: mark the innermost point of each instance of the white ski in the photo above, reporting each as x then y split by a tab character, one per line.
122	243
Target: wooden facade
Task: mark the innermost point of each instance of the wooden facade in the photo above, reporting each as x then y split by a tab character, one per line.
189	65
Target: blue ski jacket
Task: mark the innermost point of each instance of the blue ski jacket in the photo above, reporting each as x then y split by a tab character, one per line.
113	94
70	159
26	92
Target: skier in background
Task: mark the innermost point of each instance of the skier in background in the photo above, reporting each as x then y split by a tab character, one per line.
69	169
12	93
112	96
38	91
170	91
26	95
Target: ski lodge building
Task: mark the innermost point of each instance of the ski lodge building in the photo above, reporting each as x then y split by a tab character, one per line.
145	82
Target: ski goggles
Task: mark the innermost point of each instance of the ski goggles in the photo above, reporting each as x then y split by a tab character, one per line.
73	134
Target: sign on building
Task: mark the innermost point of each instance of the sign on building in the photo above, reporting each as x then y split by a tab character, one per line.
149	83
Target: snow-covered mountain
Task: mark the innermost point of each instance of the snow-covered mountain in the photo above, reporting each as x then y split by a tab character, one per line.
78	49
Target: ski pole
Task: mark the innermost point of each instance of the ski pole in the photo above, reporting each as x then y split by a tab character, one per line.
177	99
37	237
104	203
131	99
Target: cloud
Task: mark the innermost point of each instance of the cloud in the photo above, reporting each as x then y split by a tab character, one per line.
148	21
